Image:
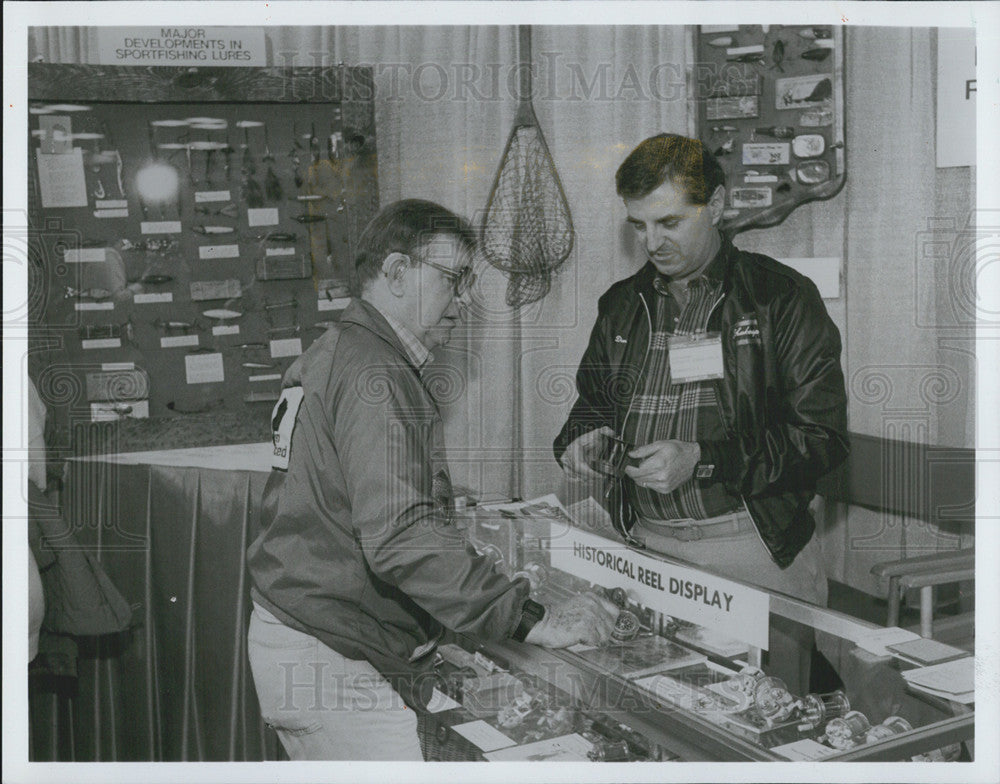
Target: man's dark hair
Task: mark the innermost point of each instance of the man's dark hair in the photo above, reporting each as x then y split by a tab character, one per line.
406	227
668	156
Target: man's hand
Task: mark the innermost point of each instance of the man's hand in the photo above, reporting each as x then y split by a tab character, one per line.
665	466
577	459
585	618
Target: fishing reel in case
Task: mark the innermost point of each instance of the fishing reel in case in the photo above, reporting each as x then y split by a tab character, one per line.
847	731
814	709
772	700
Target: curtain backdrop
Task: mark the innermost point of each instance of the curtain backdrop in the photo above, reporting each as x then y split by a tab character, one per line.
443	115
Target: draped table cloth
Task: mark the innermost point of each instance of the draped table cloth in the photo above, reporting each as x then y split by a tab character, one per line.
171	529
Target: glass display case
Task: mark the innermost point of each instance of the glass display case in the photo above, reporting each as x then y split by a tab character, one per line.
667	687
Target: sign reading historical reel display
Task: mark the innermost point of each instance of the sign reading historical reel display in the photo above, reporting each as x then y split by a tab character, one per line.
692	595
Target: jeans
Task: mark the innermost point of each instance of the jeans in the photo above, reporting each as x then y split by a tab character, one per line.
322	705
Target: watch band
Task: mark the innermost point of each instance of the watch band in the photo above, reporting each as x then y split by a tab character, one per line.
531	613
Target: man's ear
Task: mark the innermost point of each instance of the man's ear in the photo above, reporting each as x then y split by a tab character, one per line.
717	204
394	266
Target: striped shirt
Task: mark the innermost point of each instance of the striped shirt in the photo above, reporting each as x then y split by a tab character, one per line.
685	412
416	351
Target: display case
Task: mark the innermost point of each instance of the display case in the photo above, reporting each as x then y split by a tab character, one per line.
666	687
190	232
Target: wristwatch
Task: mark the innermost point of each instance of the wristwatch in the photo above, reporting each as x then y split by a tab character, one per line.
531	613
704	470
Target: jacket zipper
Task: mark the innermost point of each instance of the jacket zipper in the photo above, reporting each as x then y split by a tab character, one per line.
729	433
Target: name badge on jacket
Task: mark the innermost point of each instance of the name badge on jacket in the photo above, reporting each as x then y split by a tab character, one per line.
695	357
283	418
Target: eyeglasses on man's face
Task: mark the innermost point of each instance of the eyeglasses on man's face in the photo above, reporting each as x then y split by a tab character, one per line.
461	279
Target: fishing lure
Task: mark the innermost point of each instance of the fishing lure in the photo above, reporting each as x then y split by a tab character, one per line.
280	236
776	131
307	218
722	41
816	55
778	55
257	365
726	148
293	329
724	129
72	293
172	325
222	314
816	33
229	211
155	279
749	57
200	229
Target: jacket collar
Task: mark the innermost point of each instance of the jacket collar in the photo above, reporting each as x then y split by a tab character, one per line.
367	316
718	269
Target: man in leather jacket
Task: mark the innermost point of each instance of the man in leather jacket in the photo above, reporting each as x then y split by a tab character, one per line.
359	568
720	371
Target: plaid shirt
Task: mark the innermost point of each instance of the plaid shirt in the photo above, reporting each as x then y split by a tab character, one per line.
686	412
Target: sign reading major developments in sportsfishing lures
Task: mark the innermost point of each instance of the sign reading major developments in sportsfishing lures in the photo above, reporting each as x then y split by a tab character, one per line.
770	105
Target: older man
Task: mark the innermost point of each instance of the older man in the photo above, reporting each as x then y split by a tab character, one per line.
735	404
357	570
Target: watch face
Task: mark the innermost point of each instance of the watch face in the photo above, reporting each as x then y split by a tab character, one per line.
704	470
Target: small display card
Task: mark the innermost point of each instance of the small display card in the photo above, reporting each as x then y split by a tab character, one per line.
178	341
803	750
483	735
101	343
226	329
337	303
152	298
264	216
203	368
61	179
287	347
94	305
219	252
440	702
766	153
201	197
566	748
110	213
160	227
695	357
85	255
111	204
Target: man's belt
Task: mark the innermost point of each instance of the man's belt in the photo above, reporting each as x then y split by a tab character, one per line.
693	530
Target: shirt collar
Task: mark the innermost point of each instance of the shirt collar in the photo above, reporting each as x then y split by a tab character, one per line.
716	269
416	351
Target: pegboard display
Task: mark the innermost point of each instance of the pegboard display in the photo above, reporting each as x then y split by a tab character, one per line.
193	236
770	105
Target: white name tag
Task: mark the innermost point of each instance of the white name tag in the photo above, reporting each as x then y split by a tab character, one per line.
695	357
283	418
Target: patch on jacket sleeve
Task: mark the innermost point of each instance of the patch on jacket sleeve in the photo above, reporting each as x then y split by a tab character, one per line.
283	419
746	332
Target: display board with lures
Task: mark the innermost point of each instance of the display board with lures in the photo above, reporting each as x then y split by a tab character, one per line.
770	105
192	236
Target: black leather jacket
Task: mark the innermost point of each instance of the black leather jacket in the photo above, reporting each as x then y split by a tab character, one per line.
782	398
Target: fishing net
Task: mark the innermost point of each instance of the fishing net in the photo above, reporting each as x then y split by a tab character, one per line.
527	227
